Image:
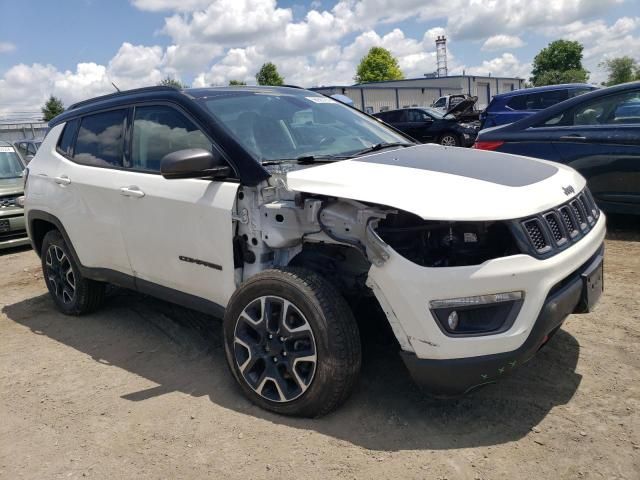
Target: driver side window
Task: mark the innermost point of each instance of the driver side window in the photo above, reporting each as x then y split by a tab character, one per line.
159	130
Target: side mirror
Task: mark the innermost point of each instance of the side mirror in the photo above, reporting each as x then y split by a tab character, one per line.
193	163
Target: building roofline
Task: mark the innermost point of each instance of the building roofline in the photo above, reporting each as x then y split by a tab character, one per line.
439	78
313	89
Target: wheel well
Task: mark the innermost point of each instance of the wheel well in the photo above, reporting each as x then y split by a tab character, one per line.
39	229
345	266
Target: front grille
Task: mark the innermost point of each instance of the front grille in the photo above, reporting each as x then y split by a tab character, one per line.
557	232
548	233
8	201
536	235
12	235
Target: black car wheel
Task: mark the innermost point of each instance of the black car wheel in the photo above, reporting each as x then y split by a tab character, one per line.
72	293
449	140
292	343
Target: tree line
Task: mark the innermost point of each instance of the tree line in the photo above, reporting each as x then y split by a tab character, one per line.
558	62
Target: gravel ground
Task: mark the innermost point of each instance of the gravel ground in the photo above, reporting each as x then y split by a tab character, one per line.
140	390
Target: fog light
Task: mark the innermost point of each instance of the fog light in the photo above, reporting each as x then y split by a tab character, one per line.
477	315
452	320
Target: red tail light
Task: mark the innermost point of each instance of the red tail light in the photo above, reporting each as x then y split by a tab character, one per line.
488	145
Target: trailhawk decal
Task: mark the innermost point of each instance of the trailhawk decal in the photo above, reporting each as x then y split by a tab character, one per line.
510	172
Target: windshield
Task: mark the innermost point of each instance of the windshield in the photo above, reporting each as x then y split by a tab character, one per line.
10	164
276	126
435	113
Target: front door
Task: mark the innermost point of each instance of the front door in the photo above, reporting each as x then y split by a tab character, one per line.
601	139
418	125
178	233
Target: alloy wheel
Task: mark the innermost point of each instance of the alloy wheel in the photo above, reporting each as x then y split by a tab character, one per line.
60	274
448	141
274	349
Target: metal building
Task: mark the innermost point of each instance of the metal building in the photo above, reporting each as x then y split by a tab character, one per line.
12	131
374	97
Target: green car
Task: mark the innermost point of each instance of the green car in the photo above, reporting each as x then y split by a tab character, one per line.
12	228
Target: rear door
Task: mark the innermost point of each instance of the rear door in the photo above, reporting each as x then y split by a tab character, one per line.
601	139
418	125
178	233
90	168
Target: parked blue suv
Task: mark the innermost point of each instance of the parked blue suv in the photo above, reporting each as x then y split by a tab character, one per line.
517	104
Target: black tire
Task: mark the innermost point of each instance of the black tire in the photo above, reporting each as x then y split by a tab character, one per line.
75	297
449	139
334	333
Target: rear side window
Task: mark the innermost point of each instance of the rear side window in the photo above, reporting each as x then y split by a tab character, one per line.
393	117
417	116
160	130
100	139
65	143
537	101
518	102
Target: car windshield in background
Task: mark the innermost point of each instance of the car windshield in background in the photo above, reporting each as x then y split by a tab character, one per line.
280	126
10	164
437	113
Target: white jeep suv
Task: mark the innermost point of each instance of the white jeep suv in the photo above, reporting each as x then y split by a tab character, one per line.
277	207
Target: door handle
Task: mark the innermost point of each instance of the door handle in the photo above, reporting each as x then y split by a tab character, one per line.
573	137
131	191
62	180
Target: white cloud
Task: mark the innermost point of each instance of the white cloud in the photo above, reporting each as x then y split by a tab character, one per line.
480	19
229	22
502	42
26	87
506	65
6	47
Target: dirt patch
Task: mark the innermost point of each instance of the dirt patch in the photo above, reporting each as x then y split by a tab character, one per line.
140	390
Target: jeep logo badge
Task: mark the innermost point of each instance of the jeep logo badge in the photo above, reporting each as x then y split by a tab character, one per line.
568	190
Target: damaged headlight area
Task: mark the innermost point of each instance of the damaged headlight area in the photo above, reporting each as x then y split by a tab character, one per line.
446	244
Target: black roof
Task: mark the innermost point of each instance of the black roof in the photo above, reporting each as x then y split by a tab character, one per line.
250	171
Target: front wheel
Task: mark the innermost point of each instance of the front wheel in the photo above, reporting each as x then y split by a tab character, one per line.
292	343
449	140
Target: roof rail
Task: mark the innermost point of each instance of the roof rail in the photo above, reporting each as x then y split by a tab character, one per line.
292	86
120	93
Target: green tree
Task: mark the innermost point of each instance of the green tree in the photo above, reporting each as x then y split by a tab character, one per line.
620	70
172	82
52	108
268	75
559	62
378	65
236	82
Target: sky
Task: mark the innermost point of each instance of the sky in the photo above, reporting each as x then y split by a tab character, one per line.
75	49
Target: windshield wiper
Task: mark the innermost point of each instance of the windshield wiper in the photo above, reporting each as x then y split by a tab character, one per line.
307	159
381	146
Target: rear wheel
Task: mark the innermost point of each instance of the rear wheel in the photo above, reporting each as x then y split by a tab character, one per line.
449	140
72	293
292	342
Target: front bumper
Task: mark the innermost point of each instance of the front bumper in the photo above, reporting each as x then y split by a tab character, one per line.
469	138
405	289
455	377
16	236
